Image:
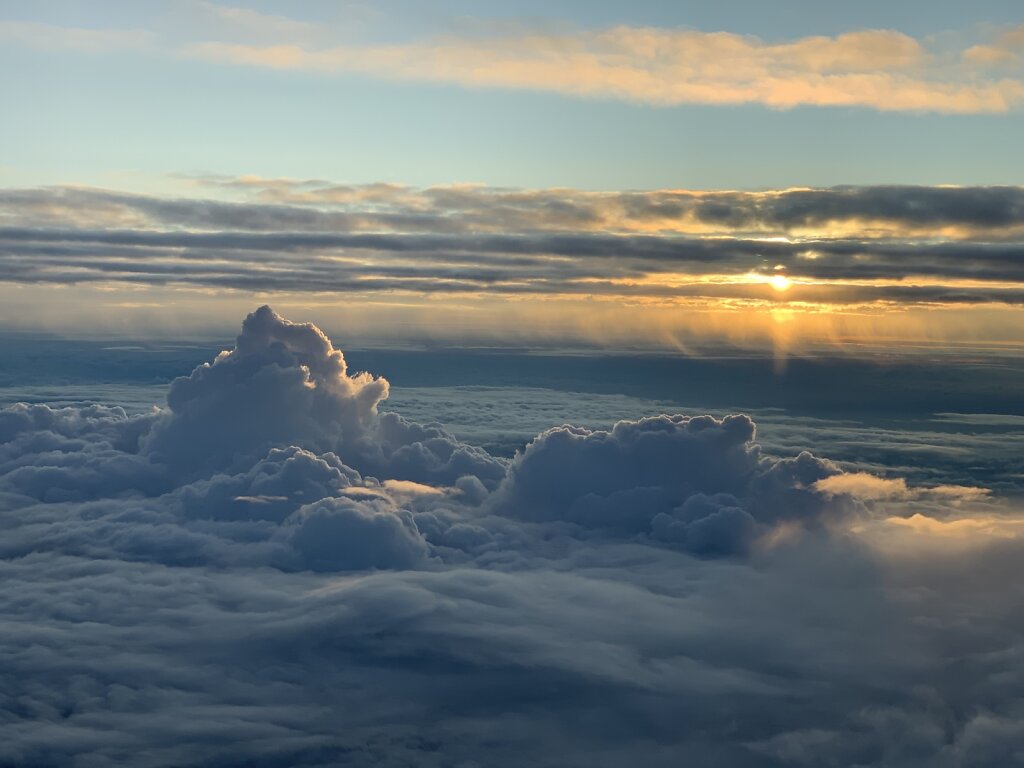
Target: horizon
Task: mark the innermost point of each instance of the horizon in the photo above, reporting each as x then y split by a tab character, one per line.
459	384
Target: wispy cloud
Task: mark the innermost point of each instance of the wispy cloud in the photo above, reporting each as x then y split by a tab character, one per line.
1006	50
50	37
880	69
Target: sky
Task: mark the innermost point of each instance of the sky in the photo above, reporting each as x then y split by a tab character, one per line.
155	89
560	384
673	175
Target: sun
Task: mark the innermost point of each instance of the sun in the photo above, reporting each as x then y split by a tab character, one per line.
780	282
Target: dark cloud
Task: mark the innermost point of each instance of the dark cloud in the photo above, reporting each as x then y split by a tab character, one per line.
541	242
269	571
697	482
272	489
338	534
320	206
585	264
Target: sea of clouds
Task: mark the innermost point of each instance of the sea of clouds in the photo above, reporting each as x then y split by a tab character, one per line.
273	571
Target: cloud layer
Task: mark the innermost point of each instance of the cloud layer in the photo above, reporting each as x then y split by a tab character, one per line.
843	246
271	570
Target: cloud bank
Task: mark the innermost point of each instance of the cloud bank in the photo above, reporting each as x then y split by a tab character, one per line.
273	570
880	69
863	246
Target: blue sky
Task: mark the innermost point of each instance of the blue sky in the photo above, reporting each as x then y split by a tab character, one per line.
785	175
132	117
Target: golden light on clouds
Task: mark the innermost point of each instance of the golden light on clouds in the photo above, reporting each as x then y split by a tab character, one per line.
973	530
679	323
879	69
475	262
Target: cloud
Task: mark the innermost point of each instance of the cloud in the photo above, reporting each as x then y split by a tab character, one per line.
346	534
971	530
272	489
868	487
314	206
285	384
282	384
56	38
878	69
244	24
327	584
872	246
697	482
1002	52
864	486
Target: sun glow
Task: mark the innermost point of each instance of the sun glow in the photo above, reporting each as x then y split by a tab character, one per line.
781	282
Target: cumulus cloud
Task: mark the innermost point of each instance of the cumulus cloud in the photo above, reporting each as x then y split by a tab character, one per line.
272	488
347	534
697	482
272	570
285	384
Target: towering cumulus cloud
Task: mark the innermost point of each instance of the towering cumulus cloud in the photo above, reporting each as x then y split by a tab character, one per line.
285	384
272	570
